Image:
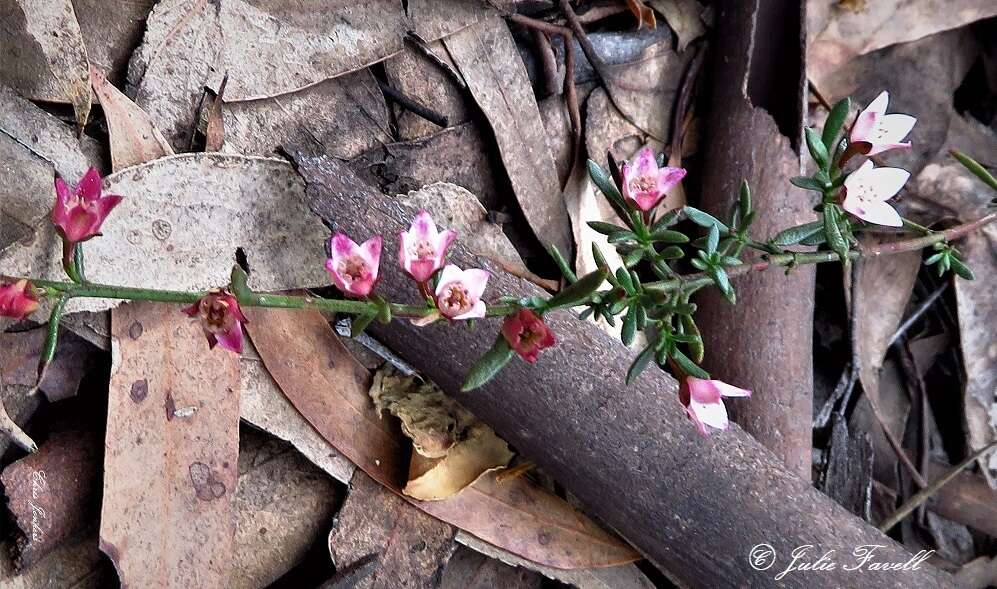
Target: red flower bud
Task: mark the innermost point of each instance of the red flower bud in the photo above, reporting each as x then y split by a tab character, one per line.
221	319
527	334
79	215
17	300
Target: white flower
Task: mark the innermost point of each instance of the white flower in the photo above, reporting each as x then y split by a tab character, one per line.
880	131
868	188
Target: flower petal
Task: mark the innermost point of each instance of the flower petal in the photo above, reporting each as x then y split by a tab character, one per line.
449	274
423	226
372	253
476	312
711	414
864	125
89	186
669	178
728	390
475	280
880	213
888	181
106	204
895	127
879	103
231	339
645	162
341	245
702	390
443	241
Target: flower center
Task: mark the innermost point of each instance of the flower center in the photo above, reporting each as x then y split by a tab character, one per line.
531	337
643	183
352	268
455	299
215	315
422	250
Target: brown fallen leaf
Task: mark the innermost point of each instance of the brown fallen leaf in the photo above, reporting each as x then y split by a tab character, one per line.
837	36
328	387
282	506
267	49
489	61
171	454
643	13
685	17
76	563
434	20
52	493
410	547
134	139
481	452
413	74
469	569
191	212
53	26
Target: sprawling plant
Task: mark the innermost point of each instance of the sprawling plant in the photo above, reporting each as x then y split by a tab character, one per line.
649	292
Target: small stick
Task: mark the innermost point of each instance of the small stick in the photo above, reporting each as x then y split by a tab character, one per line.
412	105
420	45
548	61
921	309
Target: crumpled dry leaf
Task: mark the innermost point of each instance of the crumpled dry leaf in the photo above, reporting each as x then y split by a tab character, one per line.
480	452
838	35
329	388
52	25
685	17
170	464
487	58
282	506
266	49
34	146
181	221
945	189
134	139
433	421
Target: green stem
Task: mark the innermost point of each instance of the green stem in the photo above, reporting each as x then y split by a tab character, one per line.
694	281
52	337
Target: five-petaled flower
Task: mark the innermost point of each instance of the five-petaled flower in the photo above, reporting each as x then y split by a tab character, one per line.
354	267
17	300
458	293
79	213
867	189
422	248
527	334
221	319
644	184
875	131
703	401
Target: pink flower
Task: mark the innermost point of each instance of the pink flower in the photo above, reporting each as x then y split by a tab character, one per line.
868	188
877	131
17	300
458	293
703	400
527	334
644	184
221	319
79	215
354	267
422	248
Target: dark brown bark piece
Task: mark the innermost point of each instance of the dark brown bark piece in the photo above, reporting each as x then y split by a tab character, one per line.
51	492
764	343
411	547
848	477
695	507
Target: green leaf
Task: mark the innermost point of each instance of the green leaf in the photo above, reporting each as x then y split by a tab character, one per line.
622	236
696	347
672	252
604	183
961	270
933	259
359	324
669	236
605	228
640	363
698	263
687	365
807	183
666	220
488	365
562	264
976	168
579	292
816	147
623	277
795	235
730	261
722	281
633	258
383	309
835	121
833	233
744	200
629	326
704	219
713	239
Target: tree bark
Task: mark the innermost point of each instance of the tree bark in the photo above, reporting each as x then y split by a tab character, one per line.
695	507
765	342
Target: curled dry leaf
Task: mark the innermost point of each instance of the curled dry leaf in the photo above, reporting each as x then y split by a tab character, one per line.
134	139
487	58
685	17
480	452
329	388
181	221
171	452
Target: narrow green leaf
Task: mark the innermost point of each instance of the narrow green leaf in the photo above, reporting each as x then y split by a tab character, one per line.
961	270
713	239
360	323
698	263
835	121
633	258
669	236
807	183
975	167
629	326
579	292
795	235
666	220
488	365
640	363
562	264
605	228
696	347
722	281
744	200
816	147
833	233
704	219
622	236
687	365
672	252
933	259
623	277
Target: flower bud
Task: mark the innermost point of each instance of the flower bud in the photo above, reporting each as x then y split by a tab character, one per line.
17	300
422	248
527	334
78	214
354	267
